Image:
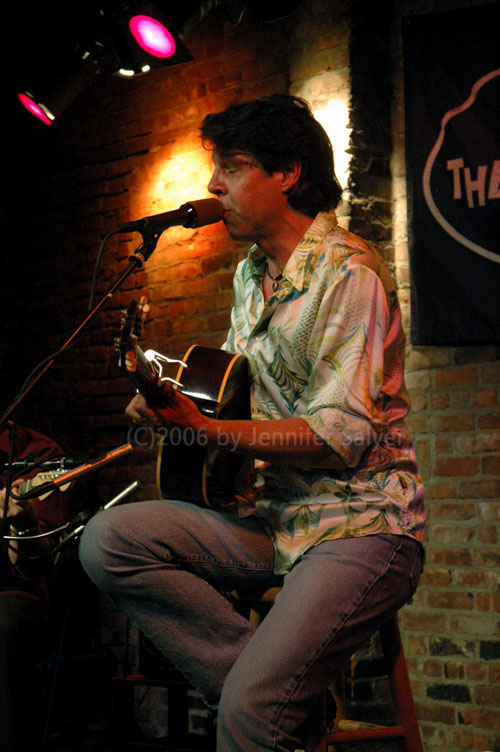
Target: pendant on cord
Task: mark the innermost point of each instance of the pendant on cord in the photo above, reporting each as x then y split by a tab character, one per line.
275	280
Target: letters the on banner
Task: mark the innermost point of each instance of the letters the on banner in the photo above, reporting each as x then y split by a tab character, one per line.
452	116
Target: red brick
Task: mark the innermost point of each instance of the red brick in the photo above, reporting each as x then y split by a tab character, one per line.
433	577
416	646
486	719
453	466
444	446
488	534
461	376
488	602
484	695
442	490
461	398
438	736
433	668
454	422
454	670
440	400
490	374
457	511
487	558
490	465
417	425
494	672
486	397
478	442
436	712
451	600
470	740
442	534
469	577
421	621
481	489
476	671
489	420
489	511
452	557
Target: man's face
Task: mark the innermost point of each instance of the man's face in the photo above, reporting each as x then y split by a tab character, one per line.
253	201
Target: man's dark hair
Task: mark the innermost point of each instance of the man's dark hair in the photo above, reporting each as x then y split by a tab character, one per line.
279	130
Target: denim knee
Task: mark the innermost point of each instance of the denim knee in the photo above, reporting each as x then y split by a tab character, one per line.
97	538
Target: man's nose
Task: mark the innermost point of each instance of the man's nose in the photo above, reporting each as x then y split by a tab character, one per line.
216	185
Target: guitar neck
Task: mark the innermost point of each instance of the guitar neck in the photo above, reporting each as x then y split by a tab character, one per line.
26	486
45	477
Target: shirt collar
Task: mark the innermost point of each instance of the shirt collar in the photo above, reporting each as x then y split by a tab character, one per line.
298	269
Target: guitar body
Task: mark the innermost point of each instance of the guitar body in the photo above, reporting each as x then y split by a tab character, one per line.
218	382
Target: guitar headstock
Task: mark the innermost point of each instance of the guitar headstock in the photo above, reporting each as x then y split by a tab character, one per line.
131	359
131	331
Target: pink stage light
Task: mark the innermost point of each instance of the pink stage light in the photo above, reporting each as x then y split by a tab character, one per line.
34	108
152	36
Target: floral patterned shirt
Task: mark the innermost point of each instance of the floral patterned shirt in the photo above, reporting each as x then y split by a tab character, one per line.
328	347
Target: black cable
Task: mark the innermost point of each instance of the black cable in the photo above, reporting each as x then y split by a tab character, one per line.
8	479
96	266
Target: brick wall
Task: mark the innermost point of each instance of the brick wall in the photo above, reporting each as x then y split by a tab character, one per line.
452	628
129	149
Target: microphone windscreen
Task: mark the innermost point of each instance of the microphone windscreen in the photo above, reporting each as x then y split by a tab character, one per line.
208	211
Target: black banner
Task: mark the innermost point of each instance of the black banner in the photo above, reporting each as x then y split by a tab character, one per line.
452	115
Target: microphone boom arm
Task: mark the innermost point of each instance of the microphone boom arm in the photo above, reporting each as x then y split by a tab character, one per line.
193	214
135	263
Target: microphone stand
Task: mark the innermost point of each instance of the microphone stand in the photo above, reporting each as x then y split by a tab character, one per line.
142	254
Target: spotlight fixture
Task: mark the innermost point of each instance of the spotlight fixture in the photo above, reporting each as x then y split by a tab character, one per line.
152	36
48	102
142	38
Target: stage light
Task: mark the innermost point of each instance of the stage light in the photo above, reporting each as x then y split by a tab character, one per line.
38	110
152	36
48	101
142	38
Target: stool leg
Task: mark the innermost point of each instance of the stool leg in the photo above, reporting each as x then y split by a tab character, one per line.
392	646
337	688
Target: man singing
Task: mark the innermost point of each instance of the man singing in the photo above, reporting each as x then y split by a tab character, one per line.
334	511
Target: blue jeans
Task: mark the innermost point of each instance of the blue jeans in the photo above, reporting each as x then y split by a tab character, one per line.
168	565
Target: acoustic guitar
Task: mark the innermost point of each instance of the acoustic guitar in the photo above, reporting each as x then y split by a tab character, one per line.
218	382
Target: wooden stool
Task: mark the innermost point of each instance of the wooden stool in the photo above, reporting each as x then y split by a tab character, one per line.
345	731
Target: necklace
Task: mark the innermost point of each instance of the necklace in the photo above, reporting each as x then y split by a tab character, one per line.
276	280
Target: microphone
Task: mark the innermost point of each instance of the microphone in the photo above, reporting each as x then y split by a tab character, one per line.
204	211
64	463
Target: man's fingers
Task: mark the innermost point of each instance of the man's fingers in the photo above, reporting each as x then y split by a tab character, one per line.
140	412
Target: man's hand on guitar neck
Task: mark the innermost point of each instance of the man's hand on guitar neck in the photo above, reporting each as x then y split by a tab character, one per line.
178	411
20	513
23	522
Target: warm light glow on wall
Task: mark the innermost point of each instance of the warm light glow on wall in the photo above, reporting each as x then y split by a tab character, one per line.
176	177
334	117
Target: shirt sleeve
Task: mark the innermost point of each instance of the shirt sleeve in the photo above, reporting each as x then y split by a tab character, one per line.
237	315
345	385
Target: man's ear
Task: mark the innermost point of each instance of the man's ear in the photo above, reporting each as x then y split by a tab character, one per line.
290	176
